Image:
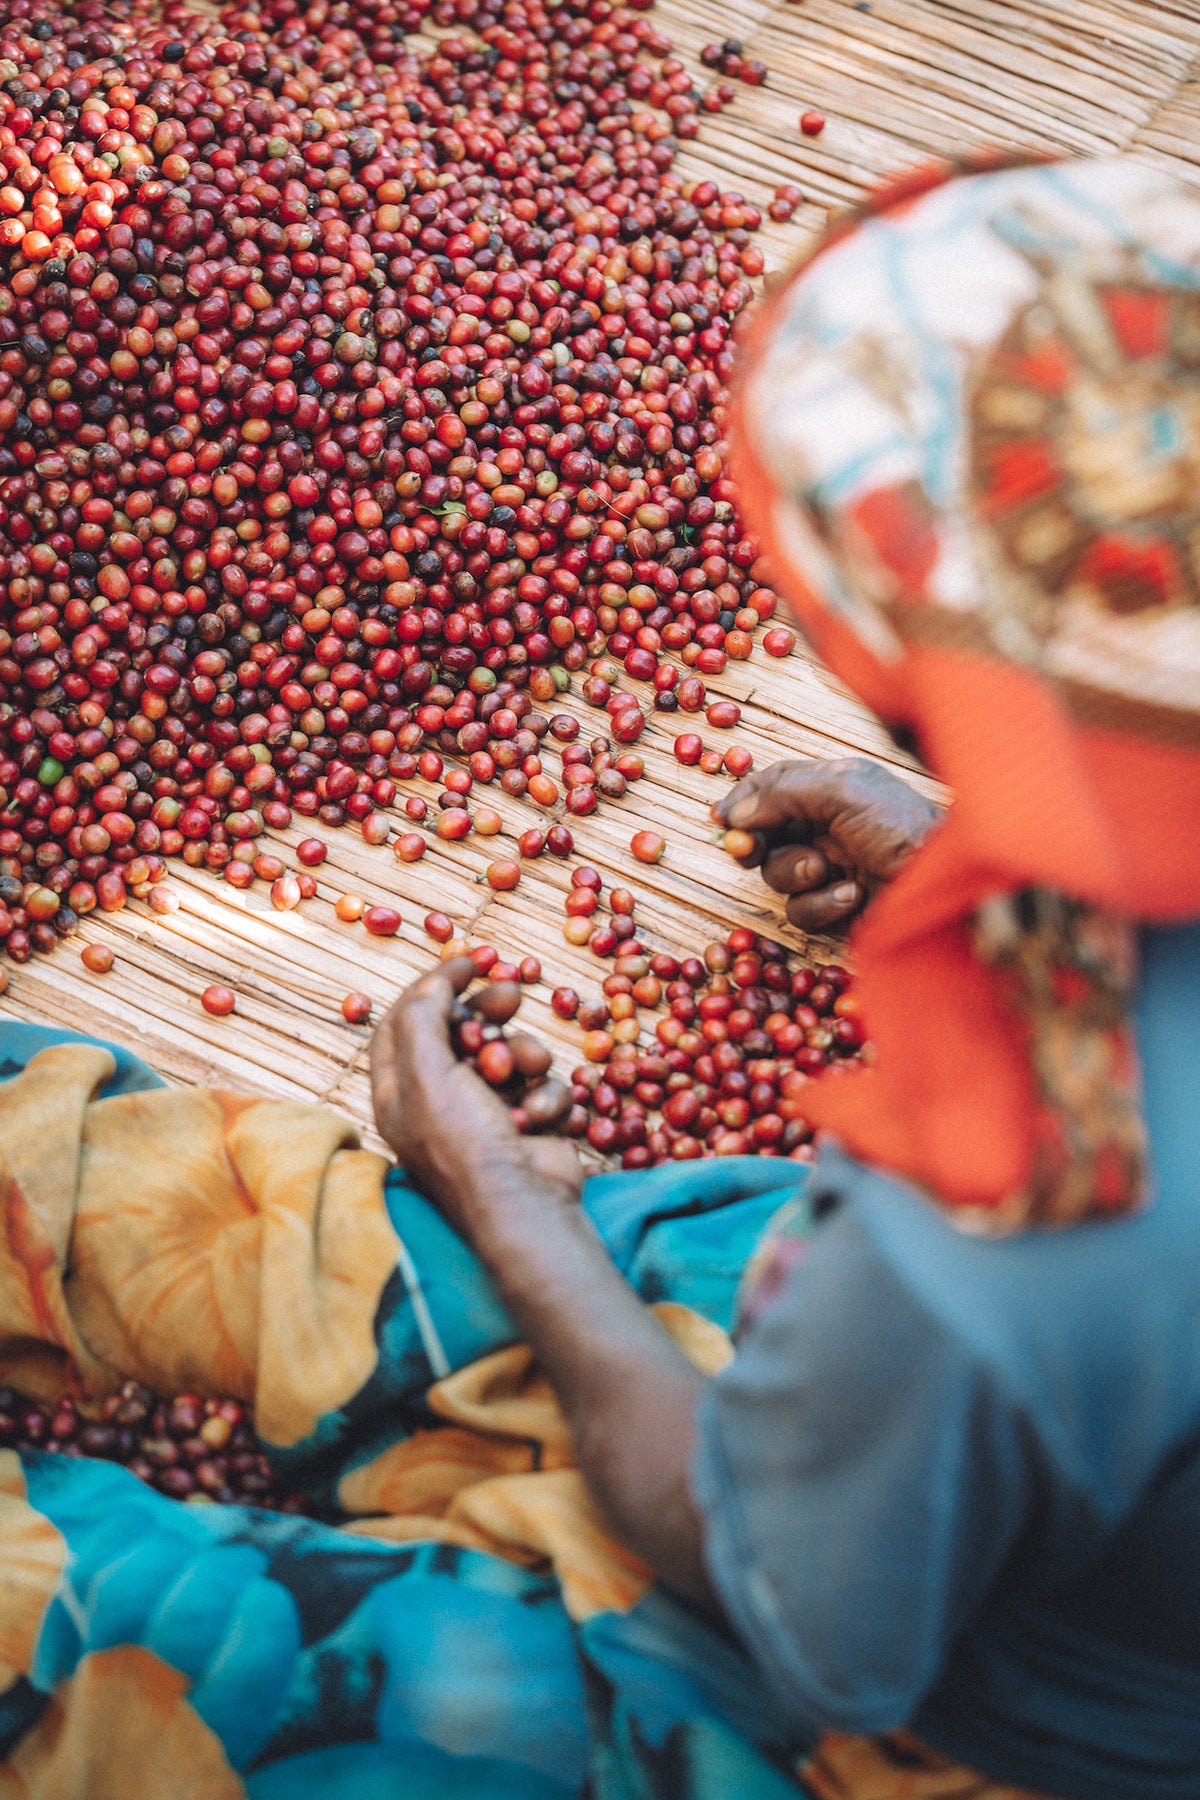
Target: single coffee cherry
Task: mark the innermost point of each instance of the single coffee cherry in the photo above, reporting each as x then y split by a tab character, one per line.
496	1063
503	875
285	893
647	846
382	921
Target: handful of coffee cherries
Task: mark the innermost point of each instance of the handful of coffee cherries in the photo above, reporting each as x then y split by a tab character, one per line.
517	1065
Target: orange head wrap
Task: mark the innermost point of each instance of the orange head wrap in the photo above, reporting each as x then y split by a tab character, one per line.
968	433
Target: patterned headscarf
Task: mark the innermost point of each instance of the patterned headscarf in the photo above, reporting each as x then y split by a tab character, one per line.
968	432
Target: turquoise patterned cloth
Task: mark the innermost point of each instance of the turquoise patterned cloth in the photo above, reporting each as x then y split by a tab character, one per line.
336	1665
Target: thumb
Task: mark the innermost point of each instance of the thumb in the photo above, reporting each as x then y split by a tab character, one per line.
419	1023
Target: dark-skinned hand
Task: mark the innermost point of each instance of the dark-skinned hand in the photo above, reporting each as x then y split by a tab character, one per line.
450	1130
827	834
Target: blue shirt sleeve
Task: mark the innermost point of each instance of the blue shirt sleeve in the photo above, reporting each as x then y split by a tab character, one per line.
863	1478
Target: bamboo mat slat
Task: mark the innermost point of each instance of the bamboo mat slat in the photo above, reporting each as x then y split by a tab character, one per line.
899	81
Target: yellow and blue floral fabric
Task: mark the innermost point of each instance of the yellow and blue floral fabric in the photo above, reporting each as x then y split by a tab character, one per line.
463	1625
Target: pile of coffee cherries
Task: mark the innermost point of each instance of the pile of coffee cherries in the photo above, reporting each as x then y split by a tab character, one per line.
188	1448
355	391
740	1034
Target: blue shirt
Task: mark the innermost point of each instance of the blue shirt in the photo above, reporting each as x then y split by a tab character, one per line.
954	1483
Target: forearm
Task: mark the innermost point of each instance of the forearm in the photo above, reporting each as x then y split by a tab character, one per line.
629	1395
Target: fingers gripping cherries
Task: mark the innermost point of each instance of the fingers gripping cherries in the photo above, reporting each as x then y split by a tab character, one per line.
825	833
454	1131
517	1066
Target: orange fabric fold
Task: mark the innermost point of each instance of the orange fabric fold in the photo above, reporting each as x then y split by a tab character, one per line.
951	1101
123	1709
186	1239
500	1475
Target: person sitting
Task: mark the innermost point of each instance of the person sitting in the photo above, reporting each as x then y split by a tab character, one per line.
924	1521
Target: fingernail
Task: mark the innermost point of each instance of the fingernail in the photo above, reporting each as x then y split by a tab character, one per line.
740	813
845	893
